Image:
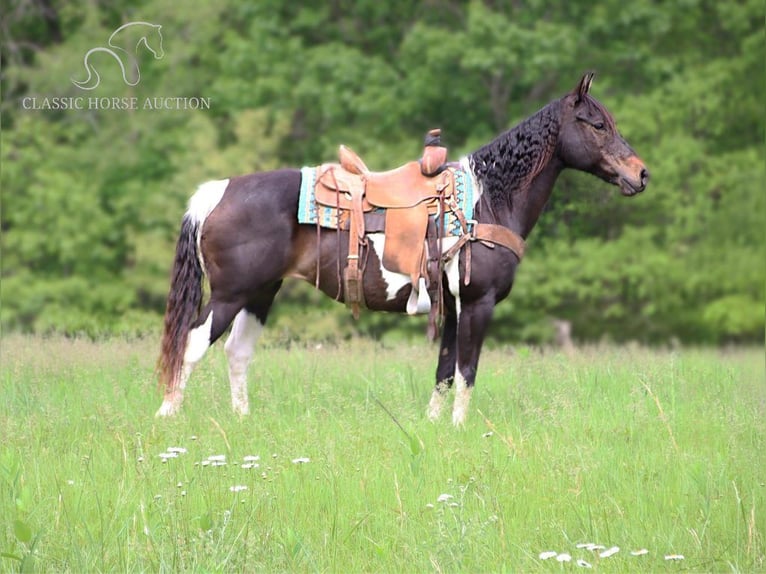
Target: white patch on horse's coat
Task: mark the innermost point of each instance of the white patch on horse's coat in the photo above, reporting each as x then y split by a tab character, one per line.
394	281
465	163
462	399
205	199
202	204
239	350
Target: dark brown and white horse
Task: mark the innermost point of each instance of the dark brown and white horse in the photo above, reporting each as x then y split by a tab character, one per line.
243	234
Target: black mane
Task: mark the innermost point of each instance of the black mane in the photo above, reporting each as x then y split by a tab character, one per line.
508	163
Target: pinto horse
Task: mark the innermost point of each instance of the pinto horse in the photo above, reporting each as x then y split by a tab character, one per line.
243	234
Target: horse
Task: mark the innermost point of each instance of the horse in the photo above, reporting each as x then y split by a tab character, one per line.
243	235
148	33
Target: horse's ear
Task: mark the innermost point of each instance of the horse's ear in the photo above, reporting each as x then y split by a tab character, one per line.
583	87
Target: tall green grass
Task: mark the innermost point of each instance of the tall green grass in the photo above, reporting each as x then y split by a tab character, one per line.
627	447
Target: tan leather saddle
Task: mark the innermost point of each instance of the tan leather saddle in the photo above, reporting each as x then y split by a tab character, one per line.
415	198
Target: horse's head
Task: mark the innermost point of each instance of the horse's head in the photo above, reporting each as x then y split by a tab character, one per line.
589	141
153	41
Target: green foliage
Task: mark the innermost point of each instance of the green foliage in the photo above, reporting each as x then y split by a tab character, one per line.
92	198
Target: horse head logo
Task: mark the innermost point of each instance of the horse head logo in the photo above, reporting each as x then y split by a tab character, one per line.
149	36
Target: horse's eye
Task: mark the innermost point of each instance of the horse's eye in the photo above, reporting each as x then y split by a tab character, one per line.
599	126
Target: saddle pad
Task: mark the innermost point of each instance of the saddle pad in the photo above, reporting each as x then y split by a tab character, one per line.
311	213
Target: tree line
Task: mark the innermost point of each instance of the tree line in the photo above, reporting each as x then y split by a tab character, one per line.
92	198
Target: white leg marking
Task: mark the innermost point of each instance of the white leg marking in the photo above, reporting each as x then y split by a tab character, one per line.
462	398
239	349
197	343
452	270
437	400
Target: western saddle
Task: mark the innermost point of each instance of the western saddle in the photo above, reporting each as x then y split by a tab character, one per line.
414	199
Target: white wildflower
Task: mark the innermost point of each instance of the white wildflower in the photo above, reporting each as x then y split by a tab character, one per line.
563	557
548	554
639	552
591	546
237	488
444	497
177	449
674	557
610	552
251	458
166	455
301	460
583	564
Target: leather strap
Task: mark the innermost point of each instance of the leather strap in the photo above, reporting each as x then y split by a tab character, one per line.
499	235
492	234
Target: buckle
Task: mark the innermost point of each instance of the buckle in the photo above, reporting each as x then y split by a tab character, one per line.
471	225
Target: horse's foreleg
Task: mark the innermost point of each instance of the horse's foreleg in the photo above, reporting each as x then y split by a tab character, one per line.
473	322
239	348
445	371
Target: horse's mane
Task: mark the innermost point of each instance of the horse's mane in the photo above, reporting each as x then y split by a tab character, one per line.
512	160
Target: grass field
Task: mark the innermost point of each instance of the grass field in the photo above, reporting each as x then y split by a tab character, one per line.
621	447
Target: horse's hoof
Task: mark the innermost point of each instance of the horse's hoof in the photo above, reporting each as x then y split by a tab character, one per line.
168	409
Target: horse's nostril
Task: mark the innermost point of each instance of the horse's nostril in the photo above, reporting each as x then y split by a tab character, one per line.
644	176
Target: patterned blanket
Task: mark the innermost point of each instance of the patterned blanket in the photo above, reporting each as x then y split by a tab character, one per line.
311	213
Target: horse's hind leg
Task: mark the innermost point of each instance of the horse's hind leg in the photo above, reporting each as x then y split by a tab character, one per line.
240	346
212	322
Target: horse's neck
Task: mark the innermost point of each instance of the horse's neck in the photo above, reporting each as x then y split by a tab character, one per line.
518	169
528	206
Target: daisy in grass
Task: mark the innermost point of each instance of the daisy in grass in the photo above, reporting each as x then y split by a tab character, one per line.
301	460
639	552
250	461
214	460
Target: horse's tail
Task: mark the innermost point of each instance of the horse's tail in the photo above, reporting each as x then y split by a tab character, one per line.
184	302
185	297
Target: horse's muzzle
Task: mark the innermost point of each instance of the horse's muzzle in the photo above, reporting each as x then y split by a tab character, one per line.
631	185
